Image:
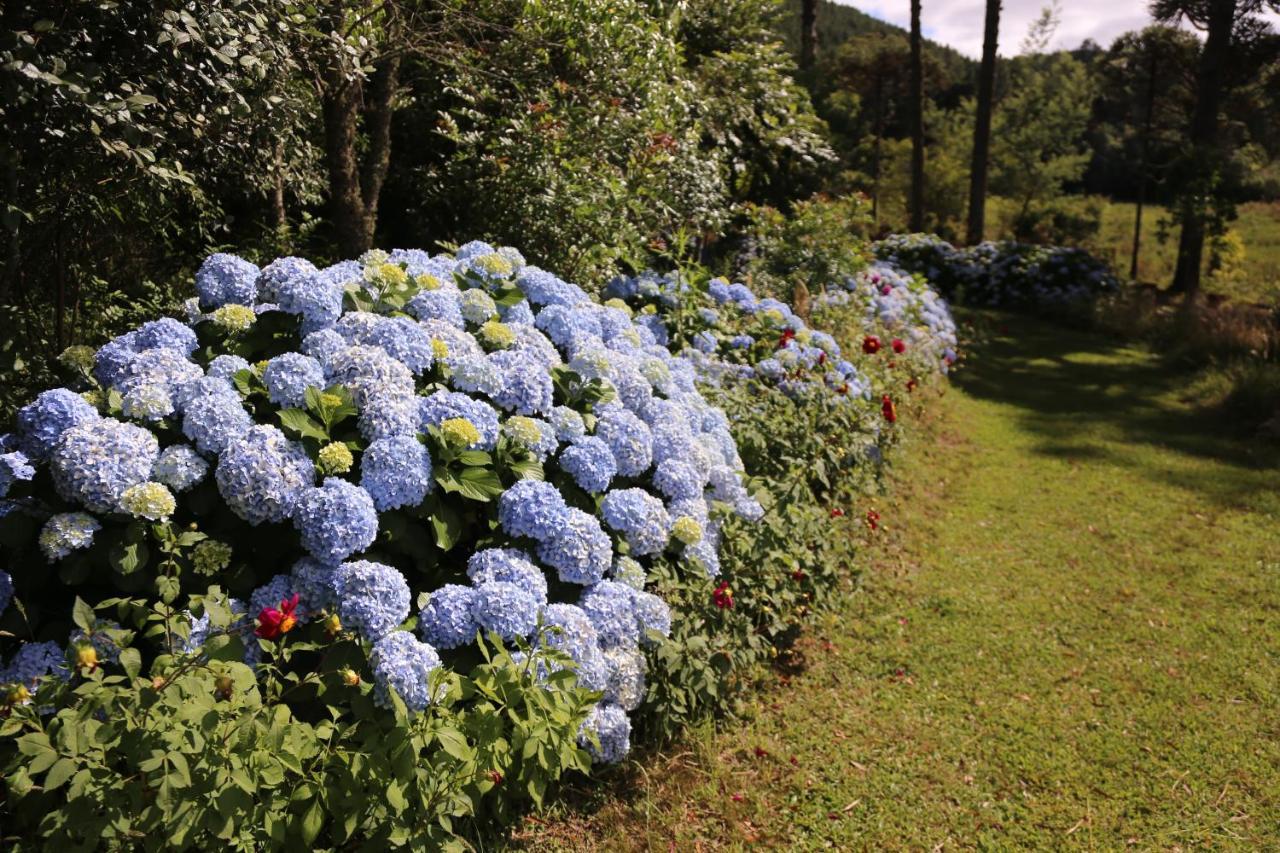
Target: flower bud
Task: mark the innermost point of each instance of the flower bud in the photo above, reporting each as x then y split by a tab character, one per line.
86	657
350	677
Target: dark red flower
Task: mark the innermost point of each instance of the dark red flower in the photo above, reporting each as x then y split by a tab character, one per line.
274	623
760	753
822	358
737	798
798	575
837	513
723	596
495	777
886	290
899	346
871	345
787	336
888	409
873	519
911	385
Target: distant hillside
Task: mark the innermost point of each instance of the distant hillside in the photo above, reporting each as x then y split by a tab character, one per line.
837	24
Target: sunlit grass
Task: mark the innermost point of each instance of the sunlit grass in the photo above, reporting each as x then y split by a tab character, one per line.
1069	636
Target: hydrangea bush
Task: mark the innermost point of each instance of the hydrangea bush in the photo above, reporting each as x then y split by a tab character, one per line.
1004	274
413	535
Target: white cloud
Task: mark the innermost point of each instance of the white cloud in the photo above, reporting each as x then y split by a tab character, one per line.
958	23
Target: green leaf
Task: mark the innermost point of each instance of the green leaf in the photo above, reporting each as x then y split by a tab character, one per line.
312	822
447	526
58	775
300	423
131	662
127	557
82	615
479	484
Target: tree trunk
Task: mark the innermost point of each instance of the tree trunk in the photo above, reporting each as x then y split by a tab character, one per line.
982	125
1142	158
808	33
875	157
279	213
354	189
1203	138
917	123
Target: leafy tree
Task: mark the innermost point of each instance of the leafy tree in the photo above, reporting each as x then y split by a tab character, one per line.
1041	121
1232	31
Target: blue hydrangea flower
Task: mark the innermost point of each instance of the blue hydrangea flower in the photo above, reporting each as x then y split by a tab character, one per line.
475	375
389	413
227	366
652	614
610	607
639	517
442	405
366	370
526	384
225	280
477	306
568	424
580	551
33	661
14	466
289	375
628	438
566	628
532	508
43	421
281	272
543	288
94	463
113	356
403	663
510	566
677	479
335	520
612	728
519	314
396	472
625	684
444	305
165	333
215	421
705	341
67	532
769	368
168	369
146	403
316	585
261	475
565	325
317	297
446	621
509	610
322	345
372	598
179	467
404	340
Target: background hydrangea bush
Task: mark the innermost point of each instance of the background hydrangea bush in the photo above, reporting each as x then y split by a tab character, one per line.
1004	274
447	524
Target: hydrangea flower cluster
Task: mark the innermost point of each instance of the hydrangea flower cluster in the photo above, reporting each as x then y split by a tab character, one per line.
1004	274
552	445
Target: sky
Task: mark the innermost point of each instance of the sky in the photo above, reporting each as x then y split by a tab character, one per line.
958	23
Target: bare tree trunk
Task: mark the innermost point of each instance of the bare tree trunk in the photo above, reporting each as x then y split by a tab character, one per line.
982	125
13	252
875	157
917	123
354	189
1142	159
808	33
277	196
1203	137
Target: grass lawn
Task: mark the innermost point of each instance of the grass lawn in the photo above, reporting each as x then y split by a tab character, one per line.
1258	226
1068	636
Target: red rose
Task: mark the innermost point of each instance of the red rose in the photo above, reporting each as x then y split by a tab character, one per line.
837	512
873	519
911	385
899	346
273	623
723	596
787	336
871	345
888	409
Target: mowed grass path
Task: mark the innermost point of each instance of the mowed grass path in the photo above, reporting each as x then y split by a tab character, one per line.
1068	637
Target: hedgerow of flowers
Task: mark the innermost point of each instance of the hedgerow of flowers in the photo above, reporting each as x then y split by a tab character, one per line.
409	452
1004	274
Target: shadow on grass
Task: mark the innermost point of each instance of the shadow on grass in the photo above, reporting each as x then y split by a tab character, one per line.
1090	398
